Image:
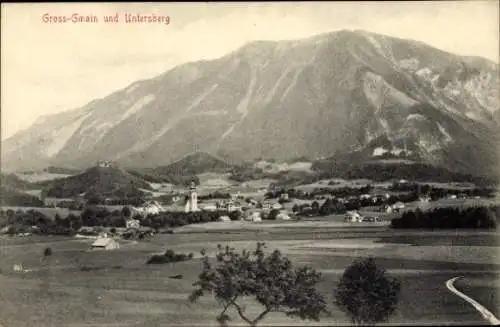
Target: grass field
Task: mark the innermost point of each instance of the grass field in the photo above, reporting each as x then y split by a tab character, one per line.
40	176
122	290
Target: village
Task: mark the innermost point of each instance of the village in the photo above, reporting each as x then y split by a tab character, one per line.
369	205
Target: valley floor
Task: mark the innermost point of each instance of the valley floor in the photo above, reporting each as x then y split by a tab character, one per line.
124	291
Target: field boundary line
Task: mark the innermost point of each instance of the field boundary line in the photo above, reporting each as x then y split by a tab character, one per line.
482	310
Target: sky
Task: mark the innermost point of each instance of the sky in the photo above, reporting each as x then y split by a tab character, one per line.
47	68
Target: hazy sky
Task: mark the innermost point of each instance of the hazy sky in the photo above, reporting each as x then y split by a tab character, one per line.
48	68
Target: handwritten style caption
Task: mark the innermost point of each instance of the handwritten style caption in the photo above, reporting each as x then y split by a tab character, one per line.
128	18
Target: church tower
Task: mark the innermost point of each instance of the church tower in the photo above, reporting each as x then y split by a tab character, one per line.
192	201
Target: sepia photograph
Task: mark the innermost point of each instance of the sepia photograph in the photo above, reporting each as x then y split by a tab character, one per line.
300	163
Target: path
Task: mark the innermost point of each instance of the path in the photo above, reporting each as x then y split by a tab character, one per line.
482	310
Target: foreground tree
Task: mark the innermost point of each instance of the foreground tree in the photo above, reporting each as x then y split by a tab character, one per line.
268	278
366	294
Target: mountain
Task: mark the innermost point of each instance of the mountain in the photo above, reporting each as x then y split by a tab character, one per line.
97	180
195	164
332	94
185	170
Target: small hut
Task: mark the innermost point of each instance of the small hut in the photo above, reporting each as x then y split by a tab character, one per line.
105	243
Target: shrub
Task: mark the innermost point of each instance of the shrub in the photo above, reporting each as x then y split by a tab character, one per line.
366	294
169	256
47	252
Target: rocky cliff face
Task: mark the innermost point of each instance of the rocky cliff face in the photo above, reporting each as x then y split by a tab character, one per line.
333	93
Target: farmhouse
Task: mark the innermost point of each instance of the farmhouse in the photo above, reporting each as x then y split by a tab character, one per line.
353	216
105	243
150	207
104	164
271	204
132	224
386	208
59	202
425	199
224	219
398	206
283	216
208	206
253	215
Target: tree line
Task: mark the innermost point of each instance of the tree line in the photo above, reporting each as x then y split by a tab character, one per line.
19	221
484	217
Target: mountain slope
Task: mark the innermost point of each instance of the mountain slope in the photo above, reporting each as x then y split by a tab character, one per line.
333	93
195	164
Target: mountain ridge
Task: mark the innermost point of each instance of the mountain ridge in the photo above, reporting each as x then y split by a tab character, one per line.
330	93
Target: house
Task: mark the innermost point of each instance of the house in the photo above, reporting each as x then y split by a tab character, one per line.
104	164
58	202
252	202
398	206
283	216
150	207
233	207
105	243
224	219
424	199
133	224
353	216
284	196
386	208
270	205
208	206
253	215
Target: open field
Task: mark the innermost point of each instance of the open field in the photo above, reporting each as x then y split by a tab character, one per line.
123	291
40	176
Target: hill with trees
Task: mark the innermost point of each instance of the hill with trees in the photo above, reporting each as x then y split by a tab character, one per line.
96	180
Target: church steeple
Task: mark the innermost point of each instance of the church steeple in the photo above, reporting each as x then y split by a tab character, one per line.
192	202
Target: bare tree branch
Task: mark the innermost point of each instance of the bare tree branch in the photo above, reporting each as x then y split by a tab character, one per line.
260	316
240	312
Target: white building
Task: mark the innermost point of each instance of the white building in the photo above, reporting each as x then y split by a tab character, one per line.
150	207
208	207
398	206
282	216
253	215
353	216
425	199
133	224
224	219
104	164
105	243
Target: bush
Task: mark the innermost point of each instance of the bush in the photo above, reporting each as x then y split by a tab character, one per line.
270	279
366	294
47	252
169	256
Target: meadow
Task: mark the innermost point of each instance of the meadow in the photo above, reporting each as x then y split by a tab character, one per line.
117	288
